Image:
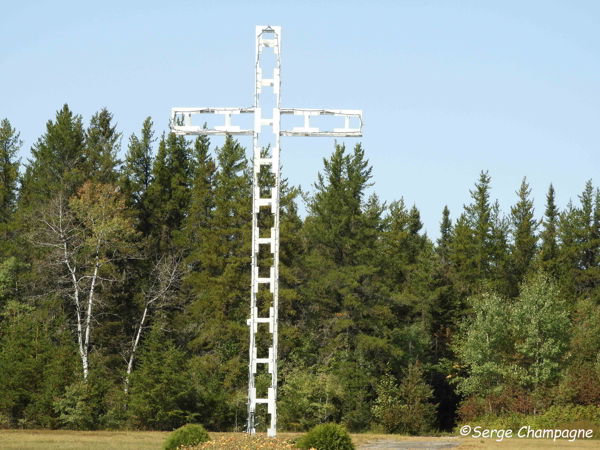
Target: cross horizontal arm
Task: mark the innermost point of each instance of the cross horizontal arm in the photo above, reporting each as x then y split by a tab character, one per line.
307	130
228	128
188	129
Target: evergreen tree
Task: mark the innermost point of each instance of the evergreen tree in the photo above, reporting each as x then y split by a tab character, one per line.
202	196
169	193
446	306
568	249
548	255
137	175
524	241
588	238
102	145
363	273
161	396
476	248
478	215
59	160
499	274
580	271
443	242
219	283
10	145
37	361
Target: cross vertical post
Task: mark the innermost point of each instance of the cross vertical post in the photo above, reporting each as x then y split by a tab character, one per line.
266	37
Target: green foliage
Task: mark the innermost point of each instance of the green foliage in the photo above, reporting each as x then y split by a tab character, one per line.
169	193
189	434
548	254
220	273
10	144
75	408
161	395
137	177
59	160
37	362
404	408
542	326
102	145
514	344
327	436
363	292
308	399
523	228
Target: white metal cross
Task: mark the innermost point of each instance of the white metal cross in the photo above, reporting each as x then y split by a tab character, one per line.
266	36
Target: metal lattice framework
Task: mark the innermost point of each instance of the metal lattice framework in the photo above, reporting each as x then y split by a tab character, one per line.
266	37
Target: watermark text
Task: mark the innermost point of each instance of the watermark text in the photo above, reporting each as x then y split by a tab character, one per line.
525	432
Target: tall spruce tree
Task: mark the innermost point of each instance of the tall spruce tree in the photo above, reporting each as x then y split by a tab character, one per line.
568	249
472	245
353	327
59	160
202	196
478	214
219	285
10	144
588	240
137	175
548	256
524	241
446	305
443	242
169	193
102	145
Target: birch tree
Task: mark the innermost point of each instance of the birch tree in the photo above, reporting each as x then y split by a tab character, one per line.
86	235
165	280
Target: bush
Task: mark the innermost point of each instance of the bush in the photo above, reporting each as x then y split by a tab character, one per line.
404	408
328	436
186	435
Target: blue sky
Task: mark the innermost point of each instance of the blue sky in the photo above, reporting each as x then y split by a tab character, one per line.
448	88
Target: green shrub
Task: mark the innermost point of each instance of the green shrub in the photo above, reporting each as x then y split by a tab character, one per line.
327	436
186	435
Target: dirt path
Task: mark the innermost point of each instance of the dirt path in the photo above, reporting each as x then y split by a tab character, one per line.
388	444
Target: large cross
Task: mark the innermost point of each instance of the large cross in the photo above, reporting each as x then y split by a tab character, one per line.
265	37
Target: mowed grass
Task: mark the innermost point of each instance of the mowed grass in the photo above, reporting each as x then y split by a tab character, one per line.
153	440
80	440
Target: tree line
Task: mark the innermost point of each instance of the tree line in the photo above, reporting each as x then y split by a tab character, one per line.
124	292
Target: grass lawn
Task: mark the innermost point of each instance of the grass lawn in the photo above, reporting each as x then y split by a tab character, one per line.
153	440
81	440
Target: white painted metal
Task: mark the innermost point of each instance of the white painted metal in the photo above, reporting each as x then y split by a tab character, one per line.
266	37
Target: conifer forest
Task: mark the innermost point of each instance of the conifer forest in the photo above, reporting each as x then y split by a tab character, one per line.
125	284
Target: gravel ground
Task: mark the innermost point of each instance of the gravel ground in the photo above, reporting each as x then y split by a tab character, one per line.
385	444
